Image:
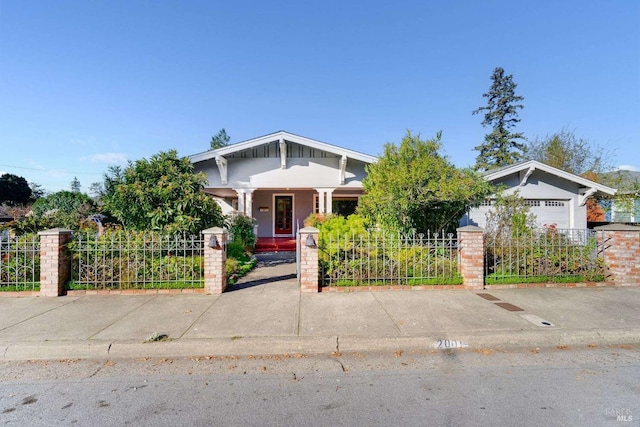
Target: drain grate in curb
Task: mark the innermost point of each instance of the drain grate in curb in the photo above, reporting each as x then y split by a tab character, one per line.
508	306
488	297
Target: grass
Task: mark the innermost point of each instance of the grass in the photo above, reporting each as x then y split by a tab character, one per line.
191	284
241	268
415	281
513	280
27	286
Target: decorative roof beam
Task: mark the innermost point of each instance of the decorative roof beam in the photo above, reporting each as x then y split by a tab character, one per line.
527	175
283	154
582	198
343	169
222	168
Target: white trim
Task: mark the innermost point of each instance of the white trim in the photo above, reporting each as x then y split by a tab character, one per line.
518	167
343	169
222	168
527	175
582	198
273	214
283	154
277	136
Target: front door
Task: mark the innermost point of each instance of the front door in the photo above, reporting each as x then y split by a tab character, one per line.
283	218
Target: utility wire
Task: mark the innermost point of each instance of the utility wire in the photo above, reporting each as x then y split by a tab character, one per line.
51	170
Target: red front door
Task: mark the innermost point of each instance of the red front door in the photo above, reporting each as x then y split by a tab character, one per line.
283	215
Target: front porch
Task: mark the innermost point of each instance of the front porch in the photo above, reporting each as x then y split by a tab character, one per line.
275	244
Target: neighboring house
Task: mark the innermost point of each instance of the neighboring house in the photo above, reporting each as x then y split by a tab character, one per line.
5	216
554	196
624	209
281	178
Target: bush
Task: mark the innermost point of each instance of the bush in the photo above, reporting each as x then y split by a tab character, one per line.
20	262
241	229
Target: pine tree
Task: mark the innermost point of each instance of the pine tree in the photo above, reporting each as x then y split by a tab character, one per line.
75	185
500	147
221	139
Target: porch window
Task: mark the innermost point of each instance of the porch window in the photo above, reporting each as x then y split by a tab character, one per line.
343	206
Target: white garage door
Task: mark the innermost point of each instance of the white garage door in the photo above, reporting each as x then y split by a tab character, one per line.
550	212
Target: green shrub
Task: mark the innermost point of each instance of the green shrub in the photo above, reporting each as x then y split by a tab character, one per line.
241	228
20	263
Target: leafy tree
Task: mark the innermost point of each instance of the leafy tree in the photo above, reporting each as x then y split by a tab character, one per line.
221	139
14	190
500	147
96	189
565	151
36	191
162	193
65	209
75	185
414	187
69	202
510	216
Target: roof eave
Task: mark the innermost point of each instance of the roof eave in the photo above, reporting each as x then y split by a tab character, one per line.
244	145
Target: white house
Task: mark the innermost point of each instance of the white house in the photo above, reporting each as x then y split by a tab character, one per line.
554	196
281	178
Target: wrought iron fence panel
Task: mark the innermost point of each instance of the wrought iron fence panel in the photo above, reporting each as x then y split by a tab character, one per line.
132	260
544	255
20	263
379	258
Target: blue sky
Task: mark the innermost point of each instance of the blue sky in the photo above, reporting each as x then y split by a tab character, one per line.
85	85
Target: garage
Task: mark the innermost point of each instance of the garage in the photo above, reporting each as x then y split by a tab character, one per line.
550	212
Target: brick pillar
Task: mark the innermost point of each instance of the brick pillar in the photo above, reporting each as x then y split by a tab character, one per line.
471	256
215	260
55	268
622	253
309	260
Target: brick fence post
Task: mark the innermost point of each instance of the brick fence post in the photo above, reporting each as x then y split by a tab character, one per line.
471	256
309	260
622	252
55	268
215	260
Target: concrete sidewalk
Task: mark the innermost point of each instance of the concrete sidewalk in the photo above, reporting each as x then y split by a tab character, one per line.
267	314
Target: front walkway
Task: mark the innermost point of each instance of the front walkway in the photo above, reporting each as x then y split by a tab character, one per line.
274	272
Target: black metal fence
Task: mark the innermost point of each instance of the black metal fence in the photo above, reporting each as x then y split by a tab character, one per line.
20	262
133	260
544	255
379	258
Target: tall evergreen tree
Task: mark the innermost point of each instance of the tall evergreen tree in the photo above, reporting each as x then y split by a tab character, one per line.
75	185
501	146
221	139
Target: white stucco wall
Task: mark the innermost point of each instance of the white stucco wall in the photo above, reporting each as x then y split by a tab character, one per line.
299	173
544	187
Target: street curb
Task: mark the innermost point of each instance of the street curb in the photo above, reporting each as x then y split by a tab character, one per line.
261	346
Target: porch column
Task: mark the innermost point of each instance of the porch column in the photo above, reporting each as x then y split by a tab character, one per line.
241	205
329	207
249	203
320	200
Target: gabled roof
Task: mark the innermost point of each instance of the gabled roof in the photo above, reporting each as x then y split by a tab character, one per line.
529	166
277	136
